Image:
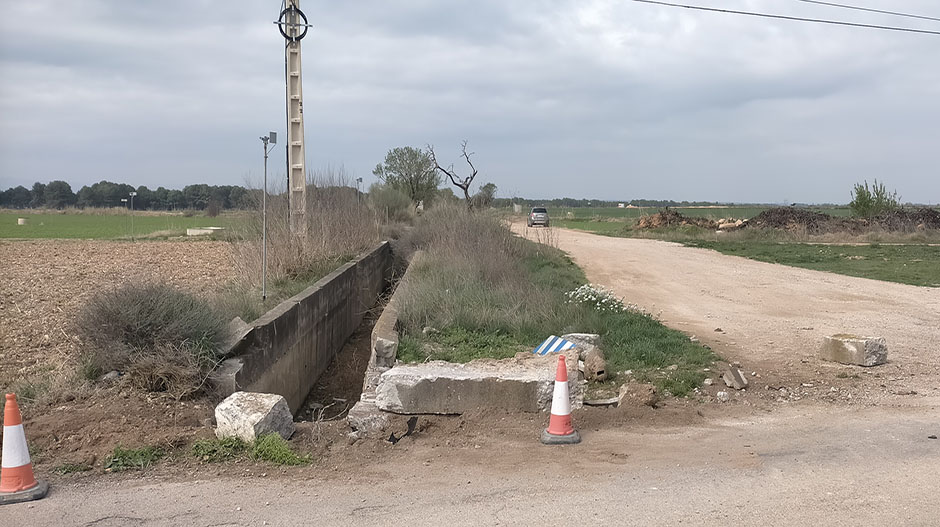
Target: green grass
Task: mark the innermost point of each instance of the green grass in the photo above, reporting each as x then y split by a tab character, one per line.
271	448
906	264
108	226
132	459
607	213
274	449
219	450
498	296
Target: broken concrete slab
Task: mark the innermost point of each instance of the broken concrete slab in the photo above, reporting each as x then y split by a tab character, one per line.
852	349
638	394
734	378
524	383
366	420
585	343
250	415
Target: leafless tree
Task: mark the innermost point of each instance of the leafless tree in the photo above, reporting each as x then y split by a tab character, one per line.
463	183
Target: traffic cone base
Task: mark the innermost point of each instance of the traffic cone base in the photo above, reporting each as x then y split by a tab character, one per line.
17	482
35	493
551	439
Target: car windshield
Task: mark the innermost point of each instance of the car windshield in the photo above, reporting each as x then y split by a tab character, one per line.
539	210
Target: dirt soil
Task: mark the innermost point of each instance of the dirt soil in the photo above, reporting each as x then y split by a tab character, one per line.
44	283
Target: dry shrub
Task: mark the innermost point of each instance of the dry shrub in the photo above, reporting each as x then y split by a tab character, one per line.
474	275
163	338
339	225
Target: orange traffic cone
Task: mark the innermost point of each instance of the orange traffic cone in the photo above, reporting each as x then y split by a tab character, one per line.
560	431
17	482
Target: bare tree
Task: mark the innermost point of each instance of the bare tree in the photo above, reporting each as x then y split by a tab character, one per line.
463	183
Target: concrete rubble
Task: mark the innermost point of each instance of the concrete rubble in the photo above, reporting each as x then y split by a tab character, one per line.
249	415
734	378
638	394
852	349
523	383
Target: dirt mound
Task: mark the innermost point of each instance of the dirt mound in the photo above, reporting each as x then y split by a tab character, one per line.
792	219
802	220
909	219
671	218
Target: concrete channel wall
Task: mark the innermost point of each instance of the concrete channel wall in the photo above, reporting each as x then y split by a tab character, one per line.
288	348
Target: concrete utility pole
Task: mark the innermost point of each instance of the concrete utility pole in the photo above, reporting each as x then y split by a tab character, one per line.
293	26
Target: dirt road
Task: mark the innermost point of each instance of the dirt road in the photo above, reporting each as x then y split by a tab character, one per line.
795	466
772	318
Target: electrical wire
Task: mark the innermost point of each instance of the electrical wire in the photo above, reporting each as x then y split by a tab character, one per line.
870	10
786	17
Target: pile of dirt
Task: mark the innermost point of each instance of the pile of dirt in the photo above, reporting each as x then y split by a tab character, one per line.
793	219
801	220
671	218
909	219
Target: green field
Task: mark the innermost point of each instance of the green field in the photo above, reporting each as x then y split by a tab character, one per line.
110	226
695	212
906	264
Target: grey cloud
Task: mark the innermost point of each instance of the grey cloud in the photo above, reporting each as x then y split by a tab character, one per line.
600	98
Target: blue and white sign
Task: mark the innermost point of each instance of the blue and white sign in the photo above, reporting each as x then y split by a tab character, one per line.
553	344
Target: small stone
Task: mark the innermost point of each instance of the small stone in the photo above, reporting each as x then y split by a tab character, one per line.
719	330
708	382
110	376
931	437
672	367
238	508
723	397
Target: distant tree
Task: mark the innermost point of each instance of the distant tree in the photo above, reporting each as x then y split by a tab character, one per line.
446	195
58	195
239	198
463	183
485	196
410	171
869	203
197	196
37	195
18	197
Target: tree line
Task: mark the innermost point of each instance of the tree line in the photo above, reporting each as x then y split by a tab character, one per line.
59	194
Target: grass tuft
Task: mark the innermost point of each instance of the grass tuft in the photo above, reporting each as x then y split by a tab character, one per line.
274	449
71	468
218	450
132	459
165	339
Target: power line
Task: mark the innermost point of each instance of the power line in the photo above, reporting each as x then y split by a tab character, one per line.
785	17
858	8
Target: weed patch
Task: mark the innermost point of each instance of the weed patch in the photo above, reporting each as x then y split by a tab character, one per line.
219	450
132	459
71	468
274	449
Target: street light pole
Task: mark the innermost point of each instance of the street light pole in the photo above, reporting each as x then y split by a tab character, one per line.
132	194
272	139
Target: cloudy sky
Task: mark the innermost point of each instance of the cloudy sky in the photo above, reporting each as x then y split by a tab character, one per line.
599	99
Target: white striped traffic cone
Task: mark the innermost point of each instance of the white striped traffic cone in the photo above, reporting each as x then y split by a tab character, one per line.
560	431
17	482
